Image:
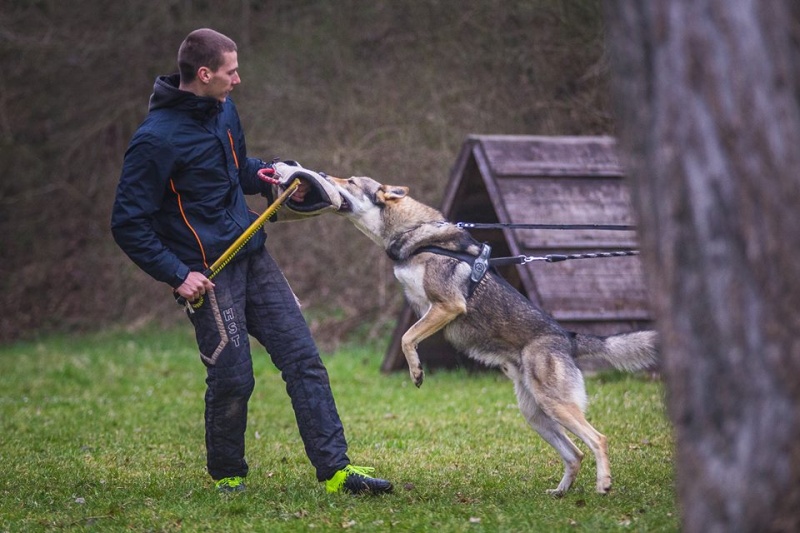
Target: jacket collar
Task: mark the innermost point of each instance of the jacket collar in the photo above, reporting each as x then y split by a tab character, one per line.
166	94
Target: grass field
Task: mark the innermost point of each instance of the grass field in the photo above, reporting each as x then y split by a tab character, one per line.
105	433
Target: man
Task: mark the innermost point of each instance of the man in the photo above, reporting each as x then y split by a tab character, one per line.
179	205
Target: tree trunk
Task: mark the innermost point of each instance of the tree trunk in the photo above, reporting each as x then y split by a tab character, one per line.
707	95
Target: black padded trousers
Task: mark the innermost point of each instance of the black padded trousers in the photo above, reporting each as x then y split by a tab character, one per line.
252	298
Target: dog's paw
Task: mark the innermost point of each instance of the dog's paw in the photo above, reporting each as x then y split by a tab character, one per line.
556	493
417	376
604	485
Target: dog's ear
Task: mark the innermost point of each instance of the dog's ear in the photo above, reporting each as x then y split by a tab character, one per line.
391	192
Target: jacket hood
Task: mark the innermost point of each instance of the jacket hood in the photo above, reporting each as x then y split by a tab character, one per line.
166	94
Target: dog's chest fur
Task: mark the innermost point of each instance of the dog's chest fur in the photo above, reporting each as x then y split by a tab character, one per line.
425	279
411	276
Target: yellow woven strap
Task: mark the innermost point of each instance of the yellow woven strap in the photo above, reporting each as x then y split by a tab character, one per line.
240	241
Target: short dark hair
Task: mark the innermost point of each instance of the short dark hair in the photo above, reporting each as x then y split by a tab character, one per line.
202	48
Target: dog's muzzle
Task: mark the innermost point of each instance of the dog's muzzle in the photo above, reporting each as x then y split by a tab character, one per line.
344	206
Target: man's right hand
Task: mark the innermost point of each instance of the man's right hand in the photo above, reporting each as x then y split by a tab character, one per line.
194	286
267	174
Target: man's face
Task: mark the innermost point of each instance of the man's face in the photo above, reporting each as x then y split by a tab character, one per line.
222	81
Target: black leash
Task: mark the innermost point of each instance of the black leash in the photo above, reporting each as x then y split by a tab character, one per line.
551	258
479	225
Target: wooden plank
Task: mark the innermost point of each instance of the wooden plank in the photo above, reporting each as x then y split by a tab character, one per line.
569	200
579	200
551	156
608	327
600	289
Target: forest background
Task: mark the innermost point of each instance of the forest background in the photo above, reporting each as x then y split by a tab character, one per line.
385	88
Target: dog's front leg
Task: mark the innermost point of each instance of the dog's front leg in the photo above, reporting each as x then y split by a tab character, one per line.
437	317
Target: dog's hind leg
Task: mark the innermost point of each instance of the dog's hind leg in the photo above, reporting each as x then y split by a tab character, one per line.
552	432
556	385
572	418
437	317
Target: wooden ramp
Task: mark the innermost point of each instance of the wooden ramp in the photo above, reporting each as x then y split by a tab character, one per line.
545	180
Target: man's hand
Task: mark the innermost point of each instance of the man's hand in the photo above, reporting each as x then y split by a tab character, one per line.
267	175
302	189
194	286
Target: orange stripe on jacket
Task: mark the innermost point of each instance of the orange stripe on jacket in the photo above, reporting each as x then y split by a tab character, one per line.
186	221
233	149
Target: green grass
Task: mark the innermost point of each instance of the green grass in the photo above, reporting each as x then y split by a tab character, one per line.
105	433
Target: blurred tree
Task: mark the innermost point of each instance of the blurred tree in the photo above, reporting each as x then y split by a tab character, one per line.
708	101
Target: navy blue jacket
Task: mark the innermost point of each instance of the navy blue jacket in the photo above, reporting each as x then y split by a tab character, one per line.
180	200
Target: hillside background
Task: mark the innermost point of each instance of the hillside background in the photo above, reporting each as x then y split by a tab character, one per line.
385	88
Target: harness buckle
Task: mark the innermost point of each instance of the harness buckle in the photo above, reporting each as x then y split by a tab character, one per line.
481	264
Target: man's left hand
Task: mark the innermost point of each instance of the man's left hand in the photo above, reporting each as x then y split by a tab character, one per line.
267	175
302	189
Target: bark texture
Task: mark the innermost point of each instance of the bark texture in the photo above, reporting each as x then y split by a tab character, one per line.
707	96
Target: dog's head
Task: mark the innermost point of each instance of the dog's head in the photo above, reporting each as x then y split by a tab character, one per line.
365	203
362	194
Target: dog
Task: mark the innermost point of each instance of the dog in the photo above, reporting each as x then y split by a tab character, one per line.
490	321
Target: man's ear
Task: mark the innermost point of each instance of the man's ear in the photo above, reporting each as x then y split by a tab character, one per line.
204	74
391	192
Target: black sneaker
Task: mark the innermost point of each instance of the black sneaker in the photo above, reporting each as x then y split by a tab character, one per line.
356	480
230	484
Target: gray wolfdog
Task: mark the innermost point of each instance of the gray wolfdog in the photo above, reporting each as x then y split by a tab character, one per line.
489	320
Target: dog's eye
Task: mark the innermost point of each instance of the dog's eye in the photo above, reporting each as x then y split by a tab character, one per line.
351	181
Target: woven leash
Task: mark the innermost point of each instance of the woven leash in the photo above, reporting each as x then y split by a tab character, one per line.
555	258
551	258
496	225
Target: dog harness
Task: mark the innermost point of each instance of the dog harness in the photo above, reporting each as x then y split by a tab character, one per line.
479	264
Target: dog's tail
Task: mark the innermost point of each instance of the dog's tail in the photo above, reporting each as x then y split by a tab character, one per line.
626	351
